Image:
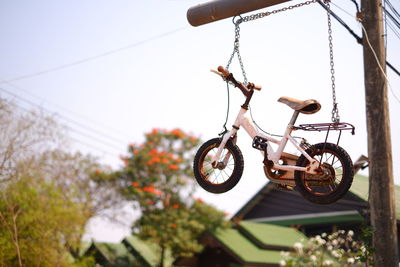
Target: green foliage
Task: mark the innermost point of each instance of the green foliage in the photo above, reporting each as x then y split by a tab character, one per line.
47	195
337	249
158	177
36	222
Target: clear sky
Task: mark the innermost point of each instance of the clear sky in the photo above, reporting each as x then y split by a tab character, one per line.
113	70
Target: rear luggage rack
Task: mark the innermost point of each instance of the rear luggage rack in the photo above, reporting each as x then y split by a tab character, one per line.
336	126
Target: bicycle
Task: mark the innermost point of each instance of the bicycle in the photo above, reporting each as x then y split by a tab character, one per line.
322	174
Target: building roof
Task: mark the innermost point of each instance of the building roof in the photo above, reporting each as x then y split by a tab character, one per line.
149	253
270	235
256	244
289	208
113	253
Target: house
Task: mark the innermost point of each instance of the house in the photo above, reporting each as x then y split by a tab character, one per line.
270	222
251	241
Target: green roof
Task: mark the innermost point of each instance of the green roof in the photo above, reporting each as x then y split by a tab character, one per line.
115	253
272	235
360	188
319	218
149	252
246	250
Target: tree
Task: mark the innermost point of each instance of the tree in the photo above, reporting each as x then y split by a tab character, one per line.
64	187
158	177
36	222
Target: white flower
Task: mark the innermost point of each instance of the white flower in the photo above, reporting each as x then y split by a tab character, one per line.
313	258
320	240
282	263
335	254
350	233
329	247
298	246
285	254
324	235
327	262
351	260
335	242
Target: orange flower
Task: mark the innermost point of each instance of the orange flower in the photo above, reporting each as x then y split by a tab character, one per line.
156	159
178	133
173	225
178	160
164	160
150	202
151	189
175	206
98	172
200	200
135	152
153	152
135	184
173	167
149	163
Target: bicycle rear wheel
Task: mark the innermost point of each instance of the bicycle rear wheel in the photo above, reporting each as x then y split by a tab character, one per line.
335	178
221	177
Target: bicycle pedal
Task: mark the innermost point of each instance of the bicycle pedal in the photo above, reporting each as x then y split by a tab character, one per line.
260	143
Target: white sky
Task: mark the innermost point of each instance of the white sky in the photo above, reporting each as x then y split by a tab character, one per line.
152	70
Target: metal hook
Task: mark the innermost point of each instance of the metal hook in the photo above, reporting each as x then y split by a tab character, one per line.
238	21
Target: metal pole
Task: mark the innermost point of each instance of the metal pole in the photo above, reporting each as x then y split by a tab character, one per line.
222	9
381	186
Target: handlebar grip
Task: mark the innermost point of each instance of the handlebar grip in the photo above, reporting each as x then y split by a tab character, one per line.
224	71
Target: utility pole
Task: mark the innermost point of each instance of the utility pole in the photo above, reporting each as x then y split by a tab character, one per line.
381	186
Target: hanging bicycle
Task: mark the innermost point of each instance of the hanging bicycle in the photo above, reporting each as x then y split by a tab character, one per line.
322	173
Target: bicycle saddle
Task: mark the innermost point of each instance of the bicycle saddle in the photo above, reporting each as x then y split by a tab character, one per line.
309	106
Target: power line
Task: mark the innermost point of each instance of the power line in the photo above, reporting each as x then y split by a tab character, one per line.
87	59
358	38
392	8
395	21
64	109
106	137
71	138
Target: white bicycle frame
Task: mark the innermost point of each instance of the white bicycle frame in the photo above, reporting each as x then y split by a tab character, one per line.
274	156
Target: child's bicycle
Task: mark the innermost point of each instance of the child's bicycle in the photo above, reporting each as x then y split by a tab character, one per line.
322	174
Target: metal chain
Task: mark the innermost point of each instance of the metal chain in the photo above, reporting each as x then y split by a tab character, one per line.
335	110
236	49
250	18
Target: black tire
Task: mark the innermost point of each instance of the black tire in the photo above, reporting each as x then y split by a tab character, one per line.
218	180
339	168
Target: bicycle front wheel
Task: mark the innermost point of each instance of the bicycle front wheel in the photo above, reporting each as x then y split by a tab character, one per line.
225	173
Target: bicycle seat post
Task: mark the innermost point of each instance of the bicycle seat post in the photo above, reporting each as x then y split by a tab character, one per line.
294	117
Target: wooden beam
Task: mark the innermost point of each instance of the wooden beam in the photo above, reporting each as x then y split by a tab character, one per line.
222	9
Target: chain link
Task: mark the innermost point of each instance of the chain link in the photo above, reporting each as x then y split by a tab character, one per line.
335	110
250	18
236	45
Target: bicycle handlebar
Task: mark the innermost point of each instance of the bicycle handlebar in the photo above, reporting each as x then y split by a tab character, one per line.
226	75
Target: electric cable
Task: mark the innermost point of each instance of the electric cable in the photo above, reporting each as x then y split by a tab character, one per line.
91	58
86	119
394	69
379	64
394	20
71	138
397	14
71	121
